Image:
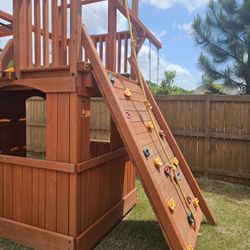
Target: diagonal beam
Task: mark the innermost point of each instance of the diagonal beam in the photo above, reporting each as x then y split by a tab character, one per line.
137	23
4	31
6	16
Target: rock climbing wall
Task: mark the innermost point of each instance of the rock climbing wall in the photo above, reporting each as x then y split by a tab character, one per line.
167	177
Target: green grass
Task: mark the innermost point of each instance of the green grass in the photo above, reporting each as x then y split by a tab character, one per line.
139	230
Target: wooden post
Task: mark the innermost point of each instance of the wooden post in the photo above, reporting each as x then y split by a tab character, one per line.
19	35
206	138
75	35
135	7
115	139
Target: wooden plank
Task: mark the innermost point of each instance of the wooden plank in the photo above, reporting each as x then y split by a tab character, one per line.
64	32
41	200
63	156
41	239
34	163
7	191
27	196
75	48
17	193
100	160
35	198
1	189
207	131
37	17
136	22
46	33
55	33
89	237
29	33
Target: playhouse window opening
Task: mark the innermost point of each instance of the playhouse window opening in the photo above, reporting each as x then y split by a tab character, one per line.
19	134
99	127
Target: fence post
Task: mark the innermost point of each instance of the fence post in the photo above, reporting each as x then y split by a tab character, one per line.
207	135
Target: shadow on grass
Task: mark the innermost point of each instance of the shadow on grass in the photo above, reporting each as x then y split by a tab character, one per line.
230	190
130	234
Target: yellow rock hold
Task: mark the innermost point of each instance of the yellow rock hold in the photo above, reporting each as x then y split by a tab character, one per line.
196	202
150	126
172	204
157	162
127	93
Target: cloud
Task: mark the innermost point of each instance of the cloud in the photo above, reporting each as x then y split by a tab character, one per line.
187	27
190	5
184	78
97	13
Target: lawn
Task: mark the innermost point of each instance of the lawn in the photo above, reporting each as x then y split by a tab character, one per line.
230	204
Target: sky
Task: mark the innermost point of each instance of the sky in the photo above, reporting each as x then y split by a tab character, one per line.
170	21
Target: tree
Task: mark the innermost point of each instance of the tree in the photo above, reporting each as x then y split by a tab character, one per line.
167	86
224	34
211	86
167	82
154	88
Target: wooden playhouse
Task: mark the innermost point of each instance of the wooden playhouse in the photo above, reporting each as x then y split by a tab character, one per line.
83	188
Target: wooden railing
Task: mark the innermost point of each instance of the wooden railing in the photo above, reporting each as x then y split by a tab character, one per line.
46	33
122	49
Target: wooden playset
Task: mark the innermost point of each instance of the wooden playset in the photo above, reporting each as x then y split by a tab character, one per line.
83	188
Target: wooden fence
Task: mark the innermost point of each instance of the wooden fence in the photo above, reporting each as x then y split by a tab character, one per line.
213	132
36	125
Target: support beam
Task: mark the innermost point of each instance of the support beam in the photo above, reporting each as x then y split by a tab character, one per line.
135	7
137	23
115	139
6	16
5	31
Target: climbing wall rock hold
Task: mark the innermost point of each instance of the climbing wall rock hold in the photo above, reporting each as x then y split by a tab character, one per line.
157	162
148	105
189	199
150	126
128	115
190	218
127	93
146	152
111	78
167	171
196	202
178	175
189	247
162	134
171	204
175	161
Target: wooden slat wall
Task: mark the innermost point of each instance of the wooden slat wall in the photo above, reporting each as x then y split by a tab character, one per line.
43	29
104	186
26	195
122	51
